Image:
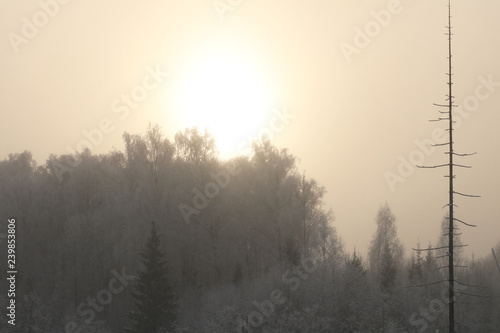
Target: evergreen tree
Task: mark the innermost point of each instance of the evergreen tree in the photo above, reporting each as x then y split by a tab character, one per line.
416	267
154	299
355	264
429	263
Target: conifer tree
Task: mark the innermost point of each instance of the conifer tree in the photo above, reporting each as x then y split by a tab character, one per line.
416	267
154	298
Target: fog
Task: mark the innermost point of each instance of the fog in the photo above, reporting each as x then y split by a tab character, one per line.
346	87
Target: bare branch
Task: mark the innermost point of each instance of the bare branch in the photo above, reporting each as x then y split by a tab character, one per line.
430	248
467	195
444	106
448	205
456	154
462	166
467	224
431	167
470	285
425	285
440	267
474	295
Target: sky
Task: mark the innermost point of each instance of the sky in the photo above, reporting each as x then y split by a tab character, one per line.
347	86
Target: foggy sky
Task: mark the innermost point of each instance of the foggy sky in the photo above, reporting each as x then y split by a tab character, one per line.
356	117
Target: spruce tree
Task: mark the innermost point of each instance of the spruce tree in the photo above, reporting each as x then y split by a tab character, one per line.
355	264
416	267
154	299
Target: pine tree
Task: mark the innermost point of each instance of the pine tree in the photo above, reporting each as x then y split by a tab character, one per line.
430	262
154	299
356	264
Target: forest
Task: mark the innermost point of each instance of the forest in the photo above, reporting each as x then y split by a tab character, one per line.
239	245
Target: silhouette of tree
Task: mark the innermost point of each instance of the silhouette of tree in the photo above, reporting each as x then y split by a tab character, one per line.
154	300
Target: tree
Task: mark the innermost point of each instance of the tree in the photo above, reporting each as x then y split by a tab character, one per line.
386	252
273	169
388	269
354	299
385	259
451	166
430	261
416	267
195	147
154	299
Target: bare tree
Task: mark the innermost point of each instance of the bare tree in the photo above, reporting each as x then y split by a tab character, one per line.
452	229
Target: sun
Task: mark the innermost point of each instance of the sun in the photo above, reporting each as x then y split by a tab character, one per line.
223	90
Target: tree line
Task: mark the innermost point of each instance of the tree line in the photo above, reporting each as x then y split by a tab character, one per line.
237	237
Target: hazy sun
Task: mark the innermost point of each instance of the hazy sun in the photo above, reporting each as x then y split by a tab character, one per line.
224	91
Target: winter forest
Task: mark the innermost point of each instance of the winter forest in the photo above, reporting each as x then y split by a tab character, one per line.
166	237
128	204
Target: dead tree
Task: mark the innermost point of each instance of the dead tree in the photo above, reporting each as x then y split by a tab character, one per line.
447	116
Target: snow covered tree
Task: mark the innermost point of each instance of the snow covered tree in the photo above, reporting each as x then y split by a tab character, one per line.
386	252
154	300
388	268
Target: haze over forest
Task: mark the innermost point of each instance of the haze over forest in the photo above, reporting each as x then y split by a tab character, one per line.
258	137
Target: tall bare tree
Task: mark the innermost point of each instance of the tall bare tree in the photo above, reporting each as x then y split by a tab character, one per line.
447	116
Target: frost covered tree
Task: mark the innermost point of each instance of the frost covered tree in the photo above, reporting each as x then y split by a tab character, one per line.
386	251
